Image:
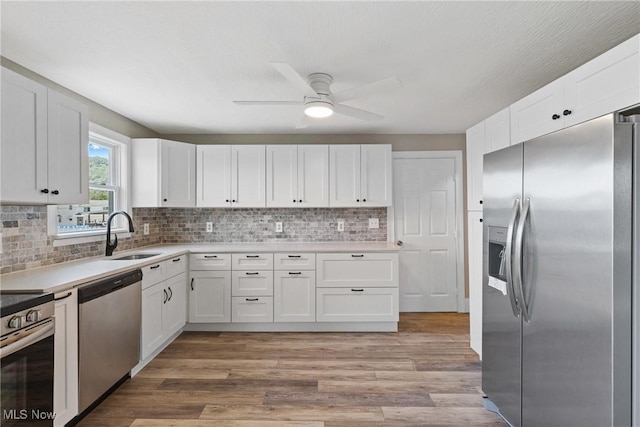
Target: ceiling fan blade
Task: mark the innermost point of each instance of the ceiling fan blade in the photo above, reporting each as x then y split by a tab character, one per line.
357	113
368	89
268	102
303	123
295	78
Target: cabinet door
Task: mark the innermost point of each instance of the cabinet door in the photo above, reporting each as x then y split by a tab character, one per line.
605	84
344	175
252	283
313	176
282	175
535	115
152	331
213	176
375	175
24	140
252	309
248	186
175	310
335	270
294	296
178	174
65	359
357	305
210	261
475	150
474	248
210	297
497	131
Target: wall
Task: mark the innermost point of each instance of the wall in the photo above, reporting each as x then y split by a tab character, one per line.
26	244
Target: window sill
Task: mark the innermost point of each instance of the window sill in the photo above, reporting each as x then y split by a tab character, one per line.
87	237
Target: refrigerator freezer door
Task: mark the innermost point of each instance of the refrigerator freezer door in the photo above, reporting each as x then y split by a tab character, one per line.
501	329
568	346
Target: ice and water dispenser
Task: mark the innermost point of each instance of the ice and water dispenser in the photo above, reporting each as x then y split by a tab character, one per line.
497	259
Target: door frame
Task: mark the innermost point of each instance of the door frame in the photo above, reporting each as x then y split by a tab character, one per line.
462	304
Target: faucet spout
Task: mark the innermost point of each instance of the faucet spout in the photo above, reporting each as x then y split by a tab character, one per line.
111	246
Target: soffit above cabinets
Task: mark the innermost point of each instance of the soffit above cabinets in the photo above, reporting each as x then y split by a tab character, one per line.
176	67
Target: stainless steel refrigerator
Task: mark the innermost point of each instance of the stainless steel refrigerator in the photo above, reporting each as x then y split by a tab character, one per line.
559	278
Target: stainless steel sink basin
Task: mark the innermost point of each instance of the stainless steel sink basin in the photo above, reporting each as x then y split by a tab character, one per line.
133	257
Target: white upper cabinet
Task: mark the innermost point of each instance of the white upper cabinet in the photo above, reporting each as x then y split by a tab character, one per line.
497	131
231	176
475	150
360	175
605	84
297	176
44	148
164	173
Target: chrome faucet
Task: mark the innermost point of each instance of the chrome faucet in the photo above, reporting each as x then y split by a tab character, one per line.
112	246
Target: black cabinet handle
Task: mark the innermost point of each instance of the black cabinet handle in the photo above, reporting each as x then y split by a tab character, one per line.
357	200
251	274
233	200
252	299
295	274
364	200
165	200
153	267
357	290
56	192
294	256
357	256
165	296
555	117
566	112
64	297
294	200
480	201
176	260
480	219
170	294
192	279
45	191
227	200
211	256
253	256
300	201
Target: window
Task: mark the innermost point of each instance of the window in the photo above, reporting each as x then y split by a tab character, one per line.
107	189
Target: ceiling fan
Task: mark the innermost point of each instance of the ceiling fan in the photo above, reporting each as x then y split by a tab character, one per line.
320	102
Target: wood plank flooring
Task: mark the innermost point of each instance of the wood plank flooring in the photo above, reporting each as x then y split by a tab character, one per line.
423	375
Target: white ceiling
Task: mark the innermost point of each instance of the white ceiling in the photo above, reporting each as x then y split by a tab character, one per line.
176	67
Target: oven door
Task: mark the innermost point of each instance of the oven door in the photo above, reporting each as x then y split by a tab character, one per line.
26	378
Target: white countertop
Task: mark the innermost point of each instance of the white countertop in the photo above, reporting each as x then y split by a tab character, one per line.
62	277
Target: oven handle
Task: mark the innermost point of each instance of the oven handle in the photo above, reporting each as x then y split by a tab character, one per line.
36	334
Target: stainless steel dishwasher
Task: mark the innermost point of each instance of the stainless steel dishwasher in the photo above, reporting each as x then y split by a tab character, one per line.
108	333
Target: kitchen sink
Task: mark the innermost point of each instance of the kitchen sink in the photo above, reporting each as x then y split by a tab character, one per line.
133	257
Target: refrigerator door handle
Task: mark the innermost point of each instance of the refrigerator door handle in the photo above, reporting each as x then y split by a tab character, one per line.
518	260
509	259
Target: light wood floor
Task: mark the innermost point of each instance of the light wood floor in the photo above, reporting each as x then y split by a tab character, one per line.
423	375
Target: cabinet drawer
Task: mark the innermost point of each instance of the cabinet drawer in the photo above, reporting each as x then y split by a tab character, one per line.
357	305
176	265
298	261
210	262
251	283
252	309
256	261
335	270
153	273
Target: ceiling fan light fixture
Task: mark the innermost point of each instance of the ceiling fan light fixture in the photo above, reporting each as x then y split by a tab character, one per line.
318	109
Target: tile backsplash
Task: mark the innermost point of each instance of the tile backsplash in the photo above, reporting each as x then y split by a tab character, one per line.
26	245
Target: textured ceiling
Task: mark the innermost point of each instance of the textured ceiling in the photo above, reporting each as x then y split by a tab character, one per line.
176	67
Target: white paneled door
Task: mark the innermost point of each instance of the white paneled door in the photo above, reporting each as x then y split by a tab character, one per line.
425	221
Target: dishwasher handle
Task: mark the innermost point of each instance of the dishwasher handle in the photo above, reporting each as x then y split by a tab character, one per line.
101	287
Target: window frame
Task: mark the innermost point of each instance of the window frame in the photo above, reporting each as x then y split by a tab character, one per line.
120	181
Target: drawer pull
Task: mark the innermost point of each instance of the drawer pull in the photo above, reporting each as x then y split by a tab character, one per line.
64	297
253	256
252	299
357	290
177	259
211	256
357	256
251	274
299	272
294	256
153	267
192	279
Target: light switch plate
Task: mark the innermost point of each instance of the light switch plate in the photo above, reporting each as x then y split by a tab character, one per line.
374	223
145	228
340	225
209	227
278	227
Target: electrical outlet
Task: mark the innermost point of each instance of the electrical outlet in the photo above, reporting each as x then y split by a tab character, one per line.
209	227
340	225
145	229
374	223
278	227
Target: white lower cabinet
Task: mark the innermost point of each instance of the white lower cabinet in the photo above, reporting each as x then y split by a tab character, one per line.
65	358
294	296
175	313
357	305
474	248
251	283
152	334
357	269
252	309
210	296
